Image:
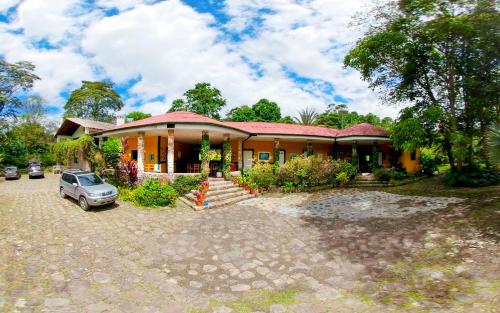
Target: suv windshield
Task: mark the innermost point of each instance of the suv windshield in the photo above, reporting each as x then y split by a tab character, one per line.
35	167
10	168
90	180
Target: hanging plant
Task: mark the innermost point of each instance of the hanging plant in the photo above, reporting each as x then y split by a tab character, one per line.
68	150
226	159
205	155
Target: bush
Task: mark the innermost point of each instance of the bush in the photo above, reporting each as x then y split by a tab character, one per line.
472	178
111	150
348	168
184	184
342	178
303	172
384	174
153	193
400	174
263	175
429	162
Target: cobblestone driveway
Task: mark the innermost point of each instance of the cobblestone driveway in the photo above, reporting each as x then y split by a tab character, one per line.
55	257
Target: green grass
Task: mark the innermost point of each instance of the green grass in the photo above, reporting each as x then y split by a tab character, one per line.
259	300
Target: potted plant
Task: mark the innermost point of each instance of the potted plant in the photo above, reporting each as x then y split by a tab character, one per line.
254	188
200	197
204	185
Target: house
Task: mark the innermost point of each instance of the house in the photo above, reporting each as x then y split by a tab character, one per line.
169	144
74	128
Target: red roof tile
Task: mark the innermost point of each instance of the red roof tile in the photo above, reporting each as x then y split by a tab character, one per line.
363	129
266	128
259	128
172	117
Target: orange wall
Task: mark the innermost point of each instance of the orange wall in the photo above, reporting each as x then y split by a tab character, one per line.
410	165
290	147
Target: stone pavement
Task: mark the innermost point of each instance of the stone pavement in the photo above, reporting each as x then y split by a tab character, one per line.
55	257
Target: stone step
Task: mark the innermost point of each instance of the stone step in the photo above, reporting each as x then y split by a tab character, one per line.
215	204
220	196
369	185
219	182
220	187
210	179
214	192
369	181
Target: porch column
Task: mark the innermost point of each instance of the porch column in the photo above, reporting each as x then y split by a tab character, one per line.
374	159
227	154
355	158
335	152
204	152
170	151
140	154
240	154
276	151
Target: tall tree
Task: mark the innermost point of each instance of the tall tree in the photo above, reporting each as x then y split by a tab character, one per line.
242	113
94	100
434	53
14	78
267	111
33	109
202	99
307	116
135	116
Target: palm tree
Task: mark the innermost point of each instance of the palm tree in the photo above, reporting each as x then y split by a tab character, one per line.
494	144
307	116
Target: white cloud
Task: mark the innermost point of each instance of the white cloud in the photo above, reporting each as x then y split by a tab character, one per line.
7	4
170	46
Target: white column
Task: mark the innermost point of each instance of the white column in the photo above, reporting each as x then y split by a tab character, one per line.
140	154
240	154
170	152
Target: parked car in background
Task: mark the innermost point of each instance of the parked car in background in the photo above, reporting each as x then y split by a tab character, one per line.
86	187
35	170
11	172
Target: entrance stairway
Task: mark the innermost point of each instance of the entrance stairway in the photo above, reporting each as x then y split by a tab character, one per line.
220	193
368	181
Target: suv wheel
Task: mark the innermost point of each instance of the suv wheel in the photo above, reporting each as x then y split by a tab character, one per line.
61	193
83	203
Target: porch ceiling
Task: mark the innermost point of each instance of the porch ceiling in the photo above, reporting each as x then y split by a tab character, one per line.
189	136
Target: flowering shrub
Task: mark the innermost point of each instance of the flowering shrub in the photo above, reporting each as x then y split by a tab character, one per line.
153	193
262	174
184	184
303	172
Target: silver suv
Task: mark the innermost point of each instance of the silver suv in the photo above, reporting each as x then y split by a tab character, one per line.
87	188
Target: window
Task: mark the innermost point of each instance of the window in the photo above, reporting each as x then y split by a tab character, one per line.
293	156
413	155
134	155
90	180
65	178
264	156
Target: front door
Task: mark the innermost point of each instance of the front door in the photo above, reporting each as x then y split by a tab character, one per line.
247	159
282	157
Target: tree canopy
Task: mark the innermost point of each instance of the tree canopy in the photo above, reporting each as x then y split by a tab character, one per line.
14	78
135	116
202	99
267	111
307	116
94	100
242	113
433	53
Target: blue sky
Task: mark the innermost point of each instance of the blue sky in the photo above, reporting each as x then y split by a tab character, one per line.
287	51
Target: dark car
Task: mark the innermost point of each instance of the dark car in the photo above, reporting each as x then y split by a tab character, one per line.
11	172
35	170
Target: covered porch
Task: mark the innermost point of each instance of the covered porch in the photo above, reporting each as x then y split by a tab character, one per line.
175	150
367	150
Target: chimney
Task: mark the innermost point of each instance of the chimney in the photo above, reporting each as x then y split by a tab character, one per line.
120	119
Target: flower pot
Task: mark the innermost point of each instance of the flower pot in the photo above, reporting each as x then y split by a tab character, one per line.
254	191
246	187
200	203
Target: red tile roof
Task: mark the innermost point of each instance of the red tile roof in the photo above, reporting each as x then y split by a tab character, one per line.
266	128
259	128
172	117
363	129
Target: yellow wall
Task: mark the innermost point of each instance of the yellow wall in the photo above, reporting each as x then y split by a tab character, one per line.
410	165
